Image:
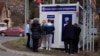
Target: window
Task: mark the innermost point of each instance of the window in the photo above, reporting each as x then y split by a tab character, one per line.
2	25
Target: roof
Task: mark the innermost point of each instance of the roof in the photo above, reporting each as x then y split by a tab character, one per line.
2	4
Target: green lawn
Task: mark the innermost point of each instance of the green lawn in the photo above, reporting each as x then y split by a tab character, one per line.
20	45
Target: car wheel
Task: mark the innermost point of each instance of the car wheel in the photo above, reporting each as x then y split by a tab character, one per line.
2	34
21	35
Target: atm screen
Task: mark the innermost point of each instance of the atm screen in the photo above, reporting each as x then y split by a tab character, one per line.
52	21
51	17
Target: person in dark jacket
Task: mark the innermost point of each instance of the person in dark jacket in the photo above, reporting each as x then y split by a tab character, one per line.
77	34
67	37
36	32
49	28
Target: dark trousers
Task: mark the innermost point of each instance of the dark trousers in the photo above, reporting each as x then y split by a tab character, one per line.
35	45
69	46
75	48
76	41
28	40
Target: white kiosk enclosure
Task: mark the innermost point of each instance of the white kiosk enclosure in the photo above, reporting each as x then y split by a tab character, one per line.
59	13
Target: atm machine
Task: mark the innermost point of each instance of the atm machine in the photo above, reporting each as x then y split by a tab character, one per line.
59	14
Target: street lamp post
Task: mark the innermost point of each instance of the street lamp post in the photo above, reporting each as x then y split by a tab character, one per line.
53	1
26	12
68	1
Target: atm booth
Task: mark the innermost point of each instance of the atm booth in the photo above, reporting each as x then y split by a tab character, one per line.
59	14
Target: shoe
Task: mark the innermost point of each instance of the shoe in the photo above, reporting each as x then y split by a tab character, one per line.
67	54
35	51
71	54
46	48
27	46
41	48
49	49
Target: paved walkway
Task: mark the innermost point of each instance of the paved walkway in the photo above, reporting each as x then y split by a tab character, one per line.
4	53
4	39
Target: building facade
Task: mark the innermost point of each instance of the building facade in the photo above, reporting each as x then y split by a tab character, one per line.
5	14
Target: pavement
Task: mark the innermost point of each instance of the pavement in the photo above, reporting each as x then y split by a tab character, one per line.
14	52
5	53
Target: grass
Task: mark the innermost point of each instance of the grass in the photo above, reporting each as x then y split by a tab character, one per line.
21	41
20	45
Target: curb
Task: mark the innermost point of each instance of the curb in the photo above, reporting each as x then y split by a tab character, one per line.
21	52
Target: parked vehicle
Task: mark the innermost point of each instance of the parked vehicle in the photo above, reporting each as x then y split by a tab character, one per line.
13	31
3	26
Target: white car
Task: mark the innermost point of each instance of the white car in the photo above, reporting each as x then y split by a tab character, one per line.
3	26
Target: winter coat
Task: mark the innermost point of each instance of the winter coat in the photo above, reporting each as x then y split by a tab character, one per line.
49	28
77	33
68	33
36	30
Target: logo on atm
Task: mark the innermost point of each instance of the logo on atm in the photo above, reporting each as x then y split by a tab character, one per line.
66	19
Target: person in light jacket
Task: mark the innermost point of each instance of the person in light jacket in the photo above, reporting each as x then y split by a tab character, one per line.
27	31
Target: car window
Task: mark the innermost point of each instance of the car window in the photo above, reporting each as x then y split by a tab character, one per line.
15	28
9	28
2	25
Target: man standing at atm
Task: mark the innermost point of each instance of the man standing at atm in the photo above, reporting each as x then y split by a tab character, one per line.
68	37
49	28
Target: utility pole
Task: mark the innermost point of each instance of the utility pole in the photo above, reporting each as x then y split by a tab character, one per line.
26	12
68	1
84	21
53	1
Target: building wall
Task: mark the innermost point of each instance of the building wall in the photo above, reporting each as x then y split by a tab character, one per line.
5	16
